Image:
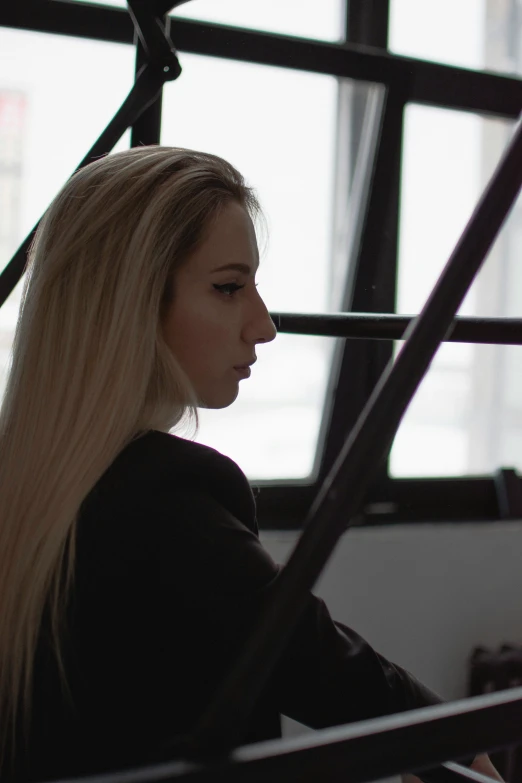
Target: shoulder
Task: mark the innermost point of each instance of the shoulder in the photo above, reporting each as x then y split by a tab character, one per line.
182	506
156	467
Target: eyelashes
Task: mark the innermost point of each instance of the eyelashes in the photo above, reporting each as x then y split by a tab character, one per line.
225	288
229	289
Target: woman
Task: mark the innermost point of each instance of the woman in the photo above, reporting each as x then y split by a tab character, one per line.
131	571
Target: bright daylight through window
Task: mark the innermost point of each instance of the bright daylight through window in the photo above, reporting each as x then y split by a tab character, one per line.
289	17
285	150
240	111
49	118
466	417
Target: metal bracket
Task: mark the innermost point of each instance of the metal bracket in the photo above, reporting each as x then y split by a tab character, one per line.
155	39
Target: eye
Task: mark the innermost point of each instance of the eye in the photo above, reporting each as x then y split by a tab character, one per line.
228	288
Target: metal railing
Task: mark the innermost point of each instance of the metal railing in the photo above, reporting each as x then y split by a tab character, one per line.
419	741
371	326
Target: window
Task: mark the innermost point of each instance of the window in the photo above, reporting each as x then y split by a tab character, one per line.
285	150
466	417
289	17
478	34
49	118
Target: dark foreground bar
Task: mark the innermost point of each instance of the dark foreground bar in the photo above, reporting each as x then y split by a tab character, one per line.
372	326
357	464
361	752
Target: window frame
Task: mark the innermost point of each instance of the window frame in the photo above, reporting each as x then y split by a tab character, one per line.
363	56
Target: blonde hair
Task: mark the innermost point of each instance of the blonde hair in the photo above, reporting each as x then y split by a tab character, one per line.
89	372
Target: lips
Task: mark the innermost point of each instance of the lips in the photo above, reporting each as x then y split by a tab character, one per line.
244	366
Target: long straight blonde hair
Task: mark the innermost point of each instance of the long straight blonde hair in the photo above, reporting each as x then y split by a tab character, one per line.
89	371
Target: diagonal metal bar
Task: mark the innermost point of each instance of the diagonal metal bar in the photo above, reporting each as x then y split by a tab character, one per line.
361	752
385	326
151	31
449	772
222	724
143	93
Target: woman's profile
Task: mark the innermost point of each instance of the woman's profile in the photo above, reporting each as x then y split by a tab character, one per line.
131	570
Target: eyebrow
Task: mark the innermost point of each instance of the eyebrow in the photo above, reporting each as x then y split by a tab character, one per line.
237	267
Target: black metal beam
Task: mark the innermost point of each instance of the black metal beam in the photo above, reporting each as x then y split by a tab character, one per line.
411	499
422	82
344	487
418	741
367	22
147	128
465	499
446	499
371	282
383	326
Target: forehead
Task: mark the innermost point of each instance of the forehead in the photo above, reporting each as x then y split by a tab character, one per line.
230	240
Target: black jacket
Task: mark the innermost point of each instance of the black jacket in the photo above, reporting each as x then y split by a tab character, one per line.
170	574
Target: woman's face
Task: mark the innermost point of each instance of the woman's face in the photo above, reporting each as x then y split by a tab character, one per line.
217	317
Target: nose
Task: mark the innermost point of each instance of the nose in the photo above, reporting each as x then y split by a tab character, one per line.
260	328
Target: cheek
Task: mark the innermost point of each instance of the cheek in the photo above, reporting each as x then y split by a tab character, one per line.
195	335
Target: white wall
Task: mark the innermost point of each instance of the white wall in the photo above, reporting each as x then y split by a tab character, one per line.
423	595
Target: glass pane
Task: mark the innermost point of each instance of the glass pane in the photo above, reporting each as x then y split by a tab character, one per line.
289	17
285	150
50	116
479	34
466	416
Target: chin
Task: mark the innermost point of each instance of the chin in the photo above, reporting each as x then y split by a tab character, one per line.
218	401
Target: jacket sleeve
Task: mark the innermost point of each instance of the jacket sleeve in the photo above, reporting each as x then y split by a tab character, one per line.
328	674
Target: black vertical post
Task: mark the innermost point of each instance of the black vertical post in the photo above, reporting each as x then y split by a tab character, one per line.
147	129
374	283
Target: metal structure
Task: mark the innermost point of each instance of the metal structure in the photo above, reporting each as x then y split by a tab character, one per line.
345	479
283	504
360	752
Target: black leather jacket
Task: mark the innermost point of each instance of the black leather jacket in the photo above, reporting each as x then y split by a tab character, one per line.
170	574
